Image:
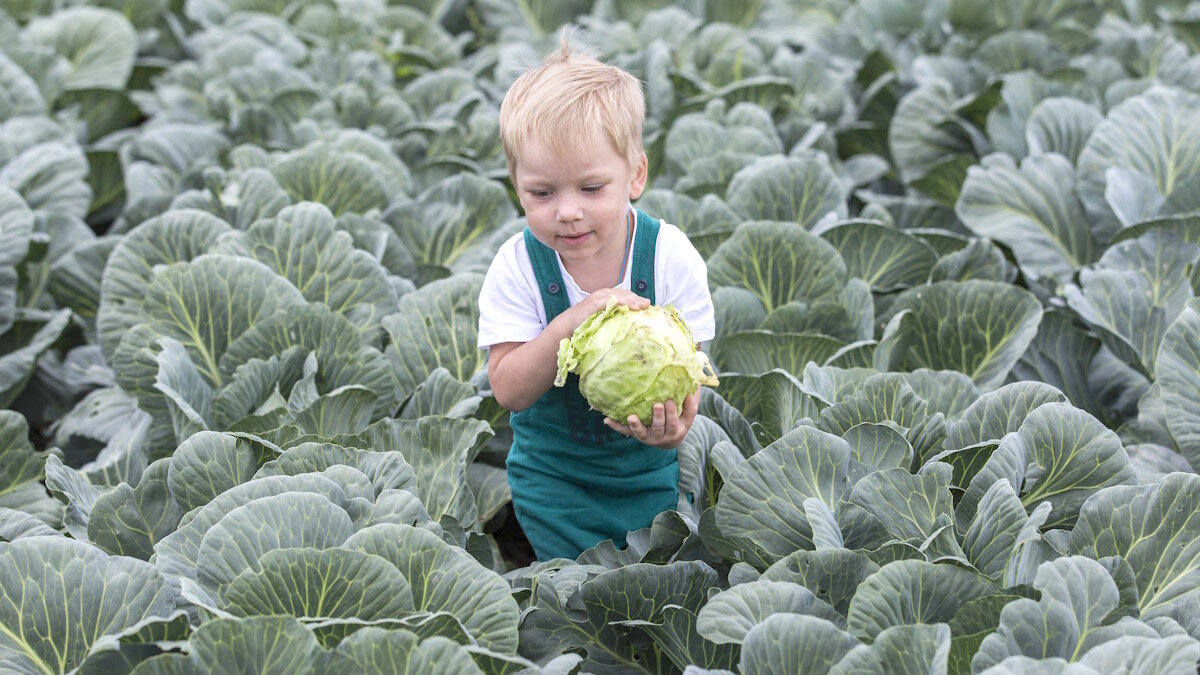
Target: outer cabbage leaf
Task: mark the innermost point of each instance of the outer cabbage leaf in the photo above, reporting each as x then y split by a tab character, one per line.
22	96
1061	125
887	259
16	525
833	574
345	410
441	394
207	464
1013	49
302	245
1077	596
924	132
1028	665
448	220
830	384
446	579
75	279
888	398
794	643
1154	136
979	328
1133	654
761	505
1032	210
51	177
242	537
31	334
879	445
775	401
757	352
946	391
981	16
385	469
996	529
779	263
1060	355
204	305
556	624
1060	454
158	164
343	181
1155	529
271	645
911	507
100	44
374	650
75	490
129	521
999	412
178	552
439	450
695	137
707	221
981	259
436	327
321	586
800	190
1134	293
59	596
730	616
344	355
20	481
849	317
1178	369
907	650
909	592
664	608
176	236
16	227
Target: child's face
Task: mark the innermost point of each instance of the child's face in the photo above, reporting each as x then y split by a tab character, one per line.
576	203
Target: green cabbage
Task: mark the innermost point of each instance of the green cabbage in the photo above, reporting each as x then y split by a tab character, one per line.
628	360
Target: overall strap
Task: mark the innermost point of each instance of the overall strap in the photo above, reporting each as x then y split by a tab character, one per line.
549	277
641	278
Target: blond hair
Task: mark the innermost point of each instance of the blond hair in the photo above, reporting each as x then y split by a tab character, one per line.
566	100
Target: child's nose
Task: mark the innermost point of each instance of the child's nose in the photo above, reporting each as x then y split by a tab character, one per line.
569	210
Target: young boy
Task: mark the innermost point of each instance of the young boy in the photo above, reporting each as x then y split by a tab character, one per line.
572	131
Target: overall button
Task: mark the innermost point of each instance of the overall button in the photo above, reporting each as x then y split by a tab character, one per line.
553	288
641	284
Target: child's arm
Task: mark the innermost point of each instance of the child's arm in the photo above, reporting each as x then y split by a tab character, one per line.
520	372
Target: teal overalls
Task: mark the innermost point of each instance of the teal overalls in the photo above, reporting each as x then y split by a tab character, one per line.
575	482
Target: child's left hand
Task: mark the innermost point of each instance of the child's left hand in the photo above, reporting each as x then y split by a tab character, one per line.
667	427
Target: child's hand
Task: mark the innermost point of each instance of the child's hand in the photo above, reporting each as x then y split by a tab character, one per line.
598	301
667	427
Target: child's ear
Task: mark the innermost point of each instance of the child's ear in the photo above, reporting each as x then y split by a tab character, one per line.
640	173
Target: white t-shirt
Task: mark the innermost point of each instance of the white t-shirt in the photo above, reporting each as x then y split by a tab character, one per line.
510	304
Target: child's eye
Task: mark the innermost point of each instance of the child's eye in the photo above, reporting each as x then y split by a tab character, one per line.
592	189
539	194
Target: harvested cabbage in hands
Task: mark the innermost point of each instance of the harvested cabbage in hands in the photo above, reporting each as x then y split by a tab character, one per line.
628	360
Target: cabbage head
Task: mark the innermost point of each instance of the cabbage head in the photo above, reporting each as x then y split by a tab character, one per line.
628	360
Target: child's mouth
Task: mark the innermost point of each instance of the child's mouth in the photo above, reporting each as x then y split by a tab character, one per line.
576	239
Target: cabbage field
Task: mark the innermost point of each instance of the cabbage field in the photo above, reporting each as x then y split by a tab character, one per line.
954	250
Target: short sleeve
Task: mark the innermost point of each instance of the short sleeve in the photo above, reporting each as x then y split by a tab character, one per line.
684	282
508	302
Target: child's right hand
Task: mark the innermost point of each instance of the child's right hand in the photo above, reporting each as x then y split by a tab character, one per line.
599	300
